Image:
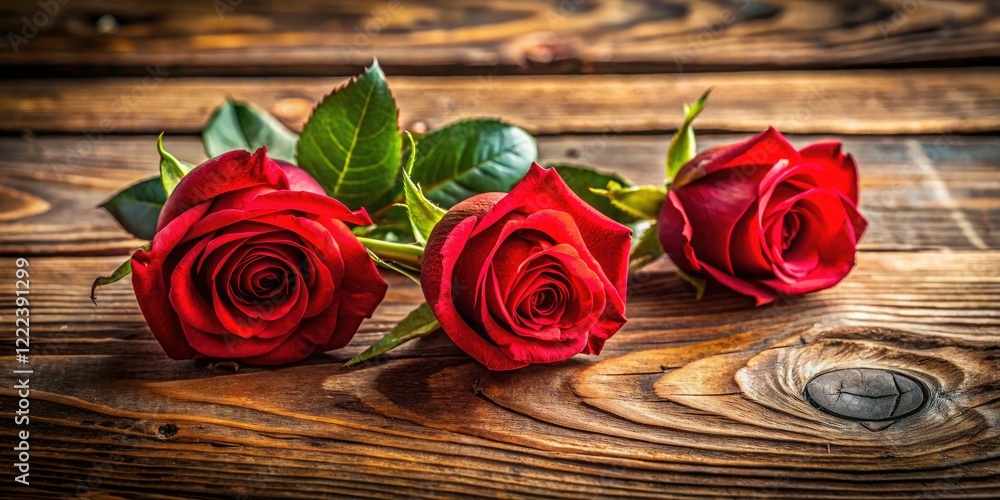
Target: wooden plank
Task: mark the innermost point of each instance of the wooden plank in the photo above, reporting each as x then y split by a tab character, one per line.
845	102
922	193
196	37
688	400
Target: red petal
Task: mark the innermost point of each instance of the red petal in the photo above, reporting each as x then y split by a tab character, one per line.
152	288
542	189
229	346
438	291
713	206
225	173
186	296
300	180
761	293
675	232
842	168
360	291
310	203
764	149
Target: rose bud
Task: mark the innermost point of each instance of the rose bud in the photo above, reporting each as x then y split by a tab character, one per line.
533	276
252	261
764	219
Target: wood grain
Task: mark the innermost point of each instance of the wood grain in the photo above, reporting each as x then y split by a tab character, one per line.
691	399
916	101
922	193
227	37
688	400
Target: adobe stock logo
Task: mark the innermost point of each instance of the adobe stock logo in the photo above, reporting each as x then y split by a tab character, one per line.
30	26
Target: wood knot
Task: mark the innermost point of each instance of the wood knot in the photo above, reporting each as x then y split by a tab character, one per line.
166	431
866	394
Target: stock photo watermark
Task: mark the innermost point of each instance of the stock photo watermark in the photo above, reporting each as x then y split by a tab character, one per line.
122	106
902	13
32	24
22	369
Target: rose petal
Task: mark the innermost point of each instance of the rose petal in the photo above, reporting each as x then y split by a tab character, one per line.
440	295
841	167
230	346
745	249
188	298
361	289
761	292
300	180
719	201
266	319
310	203
227	172
544	189
762	149
151	285
559	226
675	232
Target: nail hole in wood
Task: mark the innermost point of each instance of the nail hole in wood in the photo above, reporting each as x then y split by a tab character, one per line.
866	394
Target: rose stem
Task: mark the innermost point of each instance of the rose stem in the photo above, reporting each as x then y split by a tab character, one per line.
398	252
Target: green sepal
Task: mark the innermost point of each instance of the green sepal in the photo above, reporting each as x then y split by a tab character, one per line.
645	248
172	170
682	145
583	179
423	214
643	202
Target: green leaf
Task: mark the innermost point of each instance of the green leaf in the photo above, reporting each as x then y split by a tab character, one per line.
423	214
645	248
237	125
582	179
120	272
419	322
137	207
643	202
351	143
172	170
682	145
471	157
696	282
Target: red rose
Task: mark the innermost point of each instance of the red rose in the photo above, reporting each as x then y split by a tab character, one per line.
252	261
764	219
533	276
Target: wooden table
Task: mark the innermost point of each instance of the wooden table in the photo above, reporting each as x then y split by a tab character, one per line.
690	399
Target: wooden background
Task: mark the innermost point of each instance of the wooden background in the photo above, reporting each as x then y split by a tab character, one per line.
690	400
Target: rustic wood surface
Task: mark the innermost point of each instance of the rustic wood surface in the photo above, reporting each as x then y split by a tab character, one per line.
921	193
690	400
198	37
911	101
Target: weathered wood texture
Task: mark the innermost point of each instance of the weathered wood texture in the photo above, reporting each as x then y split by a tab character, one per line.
920	193
440	37
689	400
916	101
